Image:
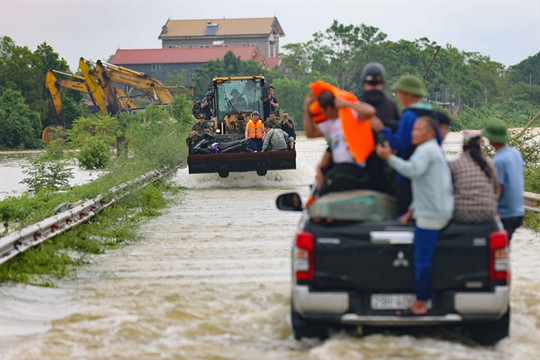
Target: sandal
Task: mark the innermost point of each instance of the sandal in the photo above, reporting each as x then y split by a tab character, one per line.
408	312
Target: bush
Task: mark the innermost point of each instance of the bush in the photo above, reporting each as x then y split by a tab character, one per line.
47	175
532	180
95	155
85	129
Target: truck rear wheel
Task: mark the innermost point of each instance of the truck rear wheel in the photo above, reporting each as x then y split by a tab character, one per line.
223	173
261	172
303	328
489	333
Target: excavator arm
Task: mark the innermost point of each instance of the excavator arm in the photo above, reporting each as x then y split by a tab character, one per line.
126	102
54	96
53	85
135	79
93	88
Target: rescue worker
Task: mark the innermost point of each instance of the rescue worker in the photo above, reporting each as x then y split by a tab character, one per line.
255	131
288	125
410	91
206	105
277	139
273	121
202	126
197	130
373	75
270	104
237	103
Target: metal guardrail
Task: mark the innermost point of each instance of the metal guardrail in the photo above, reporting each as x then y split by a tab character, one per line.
19	241
531	201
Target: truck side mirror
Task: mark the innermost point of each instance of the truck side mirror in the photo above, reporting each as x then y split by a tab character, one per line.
289	202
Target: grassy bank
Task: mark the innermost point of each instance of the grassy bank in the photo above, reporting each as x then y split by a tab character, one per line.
156	139
60	256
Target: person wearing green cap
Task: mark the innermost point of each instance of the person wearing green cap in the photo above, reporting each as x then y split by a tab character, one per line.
410	91
509	165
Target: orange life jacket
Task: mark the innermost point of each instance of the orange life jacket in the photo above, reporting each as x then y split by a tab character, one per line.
255	130
358	134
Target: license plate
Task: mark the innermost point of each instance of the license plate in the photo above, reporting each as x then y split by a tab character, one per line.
392	301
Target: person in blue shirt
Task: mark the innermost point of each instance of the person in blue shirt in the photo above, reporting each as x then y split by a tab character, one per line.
509	165
410	91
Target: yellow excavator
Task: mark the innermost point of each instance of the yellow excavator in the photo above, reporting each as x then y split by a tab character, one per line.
54	84
105	91
108	74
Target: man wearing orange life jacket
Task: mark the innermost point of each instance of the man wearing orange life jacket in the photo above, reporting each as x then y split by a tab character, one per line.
255	131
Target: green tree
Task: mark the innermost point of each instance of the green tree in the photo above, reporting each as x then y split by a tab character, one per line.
527	71
24	70
20	127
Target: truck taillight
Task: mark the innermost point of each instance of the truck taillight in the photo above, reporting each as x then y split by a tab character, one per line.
303	256
498	256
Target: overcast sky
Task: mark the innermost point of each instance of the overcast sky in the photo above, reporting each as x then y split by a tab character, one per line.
507	31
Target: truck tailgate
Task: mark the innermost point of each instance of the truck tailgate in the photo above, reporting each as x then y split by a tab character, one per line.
382	252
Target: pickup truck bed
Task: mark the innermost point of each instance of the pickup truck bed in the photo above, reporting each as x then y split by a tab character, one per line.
358	273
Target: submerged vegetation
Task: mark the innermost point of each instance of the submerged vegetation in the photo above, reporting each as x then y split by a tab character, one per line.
155	139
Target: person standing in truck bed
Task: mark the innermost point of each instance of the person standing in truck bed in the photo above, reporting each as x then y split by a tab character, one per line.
410	91
432	205
509	165
373	75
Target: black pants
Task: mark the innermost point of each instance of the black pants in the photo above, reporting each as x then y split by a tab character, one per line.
511	224
343	177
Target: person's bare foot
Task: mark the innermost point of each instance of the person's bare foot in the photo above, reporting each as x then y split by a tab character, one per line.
418	308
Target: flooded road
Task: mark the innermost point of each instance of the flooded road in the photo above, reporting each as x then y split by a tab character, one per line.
210	279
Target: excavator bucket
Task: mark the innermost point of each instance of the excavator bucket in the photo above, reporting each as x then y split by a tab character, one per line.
223	164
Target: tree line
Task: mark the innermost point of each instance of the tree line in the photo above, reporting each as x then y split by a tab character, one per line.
469	85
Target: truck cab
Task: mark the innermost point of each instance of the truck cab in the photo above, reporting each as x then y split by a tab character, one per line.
232	112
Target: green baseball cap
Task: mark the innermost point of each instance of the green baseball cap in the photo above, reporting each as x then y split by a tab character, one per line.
495	131
411	84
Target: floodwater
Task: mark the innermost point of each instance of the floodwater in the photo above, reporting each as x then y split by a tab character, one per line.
13	164
210	279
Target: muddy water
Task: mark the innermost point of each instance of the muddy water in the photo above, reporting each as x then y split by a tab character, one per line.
209	279
13	164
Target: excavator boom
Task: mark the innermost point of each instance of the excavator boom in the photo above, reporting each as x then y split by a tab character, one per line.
138	80
54	96
93	87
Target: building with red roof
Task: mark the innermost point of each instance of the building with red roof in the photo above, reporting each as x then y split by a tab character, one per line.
159	63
